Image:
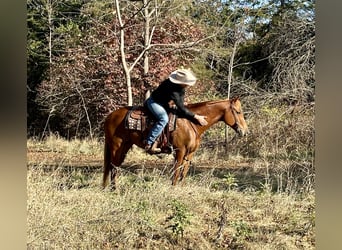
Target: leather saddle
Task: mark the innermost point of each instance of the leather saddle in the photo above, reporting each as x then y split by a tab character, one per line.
141	119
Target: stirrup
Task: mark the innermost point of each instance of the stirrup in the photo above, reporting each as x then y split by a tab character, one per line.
154	151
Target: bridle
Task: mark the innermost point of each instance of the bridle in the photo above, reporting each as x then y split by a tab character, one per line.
235	112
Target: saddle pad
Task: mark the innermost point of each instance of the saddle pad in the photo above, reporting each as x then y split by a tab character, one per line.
134	118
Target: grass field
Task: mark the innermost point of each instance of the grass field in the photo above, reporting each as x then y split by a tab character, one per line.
225	204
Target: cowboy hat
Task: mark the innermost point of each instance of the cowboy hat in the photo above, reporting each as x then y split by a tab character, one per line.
183	76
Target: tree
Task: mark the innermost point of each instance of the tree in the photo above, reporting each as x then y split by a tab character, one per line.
150	11
279	50
146	46
51	26
37	57
292	54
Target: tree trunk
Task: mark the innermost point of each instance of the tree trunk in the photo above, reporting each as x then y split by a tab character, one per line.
229	81
49	13
123	56
146	36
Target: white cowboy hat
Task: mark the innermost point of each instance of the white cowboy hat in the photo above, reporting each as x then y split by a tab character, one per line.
183	76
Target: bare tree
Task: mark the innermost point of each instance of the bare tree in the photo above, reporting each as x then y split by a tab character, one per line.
236	39
147	45
151	11
293	57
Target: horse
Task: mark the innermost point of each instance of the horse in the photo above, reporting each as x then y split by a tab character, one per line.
185	139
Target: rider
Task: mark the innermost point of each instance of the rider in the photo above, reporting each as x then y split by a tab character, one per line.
171	89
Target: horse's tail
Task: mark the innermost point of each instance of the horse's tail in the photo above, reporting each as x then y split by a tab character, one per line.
111	124
107	165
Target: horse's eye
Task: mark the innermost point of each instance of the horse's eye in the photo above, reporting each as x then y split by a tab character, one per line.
238	112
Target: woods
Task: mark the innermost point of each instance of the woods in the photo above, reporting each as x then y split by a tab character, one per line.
86	58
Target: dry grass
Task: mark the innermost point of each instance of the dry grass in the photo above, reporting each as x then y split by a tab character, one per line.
215	209
68	210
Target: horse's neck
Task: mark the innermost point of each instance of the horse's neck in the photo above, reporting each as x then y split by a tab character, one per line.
214	111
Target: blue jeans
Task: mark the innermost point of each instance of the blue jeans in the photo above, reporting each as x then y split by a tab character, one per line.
161	117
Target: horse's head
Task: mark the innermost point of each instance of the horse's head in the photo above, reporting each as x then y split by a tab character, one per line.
234	117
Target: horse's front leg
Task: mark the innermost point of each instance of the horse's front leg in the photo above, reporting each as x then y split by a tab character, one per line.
176	170
177	165
186	165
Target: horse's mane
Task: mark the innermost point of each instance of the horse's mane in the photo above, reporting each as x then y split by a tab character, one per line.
205	103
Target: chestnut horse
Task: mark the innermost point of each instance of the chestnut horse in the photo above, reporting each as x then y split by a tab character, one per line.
185	138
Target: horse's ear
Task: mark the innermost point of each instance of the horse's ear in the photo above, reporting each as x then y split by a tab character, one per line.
235	98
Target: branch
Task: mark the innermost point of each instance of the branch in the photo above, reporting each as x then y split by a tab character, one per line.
249	63
143	52
86	112
181	45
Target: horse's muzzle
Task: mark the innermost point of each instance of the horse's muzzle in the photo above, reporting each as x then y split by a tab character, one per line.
242	132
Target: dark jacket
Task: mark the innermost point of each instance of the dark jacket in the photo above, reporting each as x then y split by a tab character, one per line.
168	91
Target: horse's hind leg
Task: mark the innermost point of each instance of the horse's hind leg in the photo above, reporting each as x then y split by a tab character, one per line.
119	155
